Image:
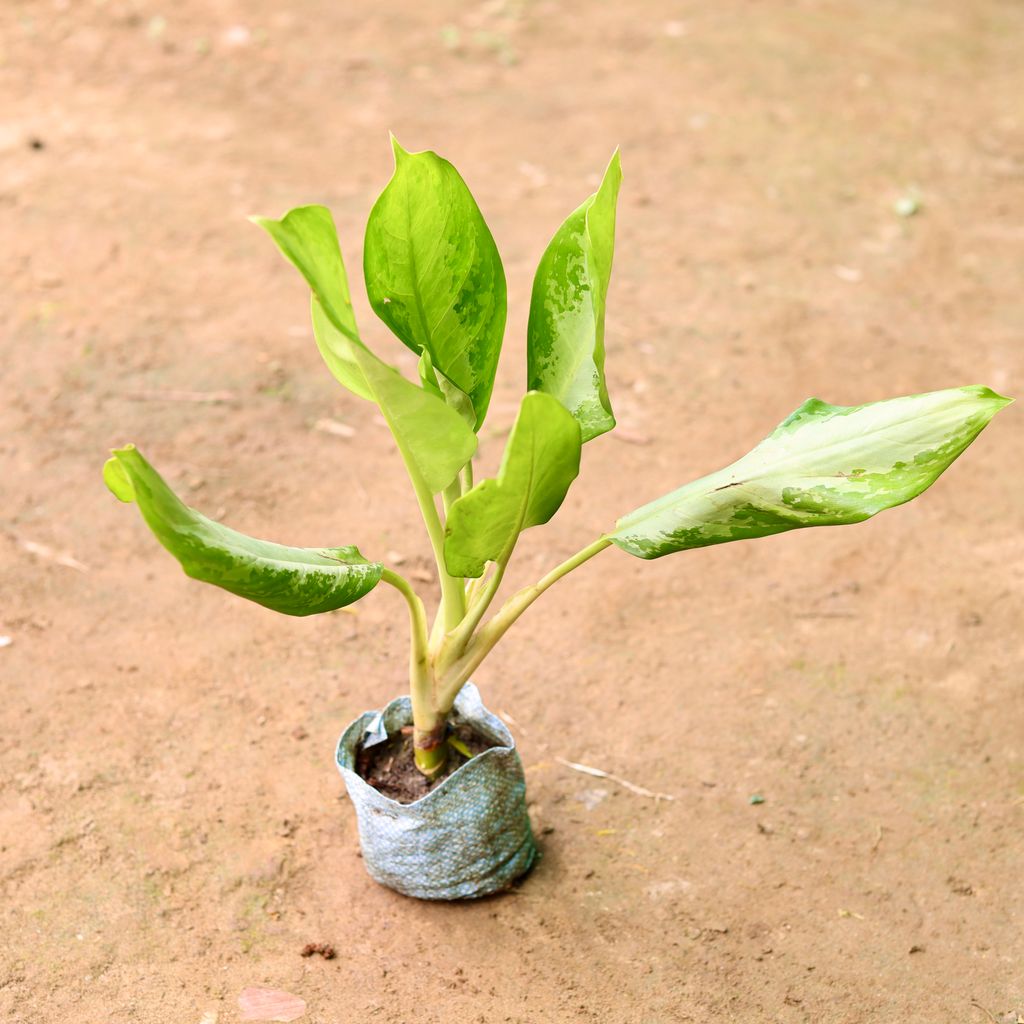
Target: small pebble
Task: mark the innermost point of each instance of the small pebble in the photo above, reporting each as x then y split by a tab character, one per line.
313	948
907	206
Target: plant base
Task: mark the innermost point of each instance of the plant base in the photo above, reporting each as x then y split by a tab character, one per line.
468	837
391	767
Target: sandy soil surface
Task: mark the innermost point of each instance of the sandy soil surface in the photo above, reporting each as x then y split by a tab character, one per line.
172	828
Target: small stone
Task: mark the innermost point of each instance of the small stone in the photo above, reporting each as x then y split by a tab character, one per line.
590	798
907	206
236	36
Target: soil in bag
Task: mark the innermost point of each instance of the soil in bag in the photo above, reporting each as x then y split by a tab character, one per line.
391	769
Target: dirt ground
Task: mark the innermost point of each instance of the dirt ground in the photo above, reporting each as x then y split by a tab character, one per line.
172	827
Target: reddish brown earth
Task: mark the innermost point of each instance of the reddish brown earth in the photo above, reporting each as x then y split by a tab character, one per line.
391	767
171	823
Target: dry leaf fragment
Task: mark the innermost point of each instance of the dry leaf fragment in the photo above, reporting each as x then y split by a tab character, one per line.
270	1004
333	427
48	554
600	773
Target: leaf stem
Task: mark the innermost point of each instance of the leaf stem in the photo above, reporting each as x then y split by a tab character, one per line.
453	597
419	657
481	645
428	722
417	613
480	601
451	494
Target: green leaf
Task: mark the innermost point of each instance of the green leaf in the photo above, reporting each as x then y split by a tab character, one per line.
826	465
565	334
446	391
428	378
295	581
433	273
541	460
458	400
432	437
117	480
308	239
336	350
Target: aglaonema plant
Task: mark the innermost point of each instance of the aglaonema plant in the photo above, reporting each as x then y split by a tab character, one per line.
434	277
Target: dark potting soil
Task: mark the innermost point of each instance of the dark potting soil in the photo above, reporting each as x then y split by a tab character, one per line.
391	768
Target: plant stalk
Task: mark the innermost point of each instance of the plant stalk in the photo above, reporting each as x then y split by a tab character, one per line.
453	597
479	599
429	749
451	494
482	644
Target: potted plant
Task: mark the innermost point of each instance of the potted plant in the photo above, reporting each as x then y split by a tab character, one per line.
435	779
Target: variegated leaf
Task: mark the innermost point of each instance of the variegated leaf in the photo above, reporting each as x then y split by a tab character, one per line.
433	273
826	465
541	460
431	434
565	333
295	581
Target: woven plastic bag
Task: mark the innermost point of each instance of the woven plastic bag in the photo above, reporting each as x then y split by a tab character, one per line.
469	836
